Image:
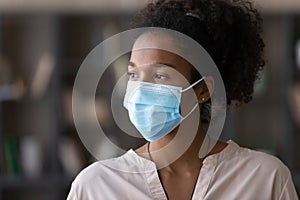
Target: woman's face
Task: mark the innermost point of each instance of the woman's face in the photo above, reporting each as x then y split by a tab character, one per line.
151	64
155	65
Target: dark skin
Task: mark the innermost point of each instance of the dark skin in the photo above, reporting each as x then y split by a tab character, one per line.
178	178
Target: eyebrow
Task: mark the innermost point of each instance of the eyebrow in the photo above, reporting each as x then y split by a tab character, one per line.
132	64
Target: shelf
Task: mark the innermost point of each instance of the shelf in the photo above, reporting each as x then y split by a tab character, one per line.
70	32
117	6
7	92
43	182
70	6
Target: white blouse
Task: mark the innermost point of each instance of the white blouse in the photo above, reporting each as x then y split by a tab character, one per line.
234	173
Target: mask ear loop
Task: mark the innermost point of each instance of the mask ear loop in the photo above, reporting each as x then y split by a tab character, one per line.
196	105
201	79
207	143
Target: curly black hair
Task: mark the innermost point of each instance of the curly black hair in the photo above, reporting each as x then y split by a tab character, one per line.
229	30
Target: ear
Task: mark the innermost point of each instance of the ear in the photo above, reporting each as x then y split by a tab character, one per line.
204	89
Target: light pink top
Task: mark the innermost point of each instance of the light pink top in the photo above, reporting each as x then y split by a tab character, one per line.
234	173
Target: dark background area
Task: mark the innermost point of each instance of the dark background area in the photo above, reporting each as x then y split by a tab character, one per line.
41	50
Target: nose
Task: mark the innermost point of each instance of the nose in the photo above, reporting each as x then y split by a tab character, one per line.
146	77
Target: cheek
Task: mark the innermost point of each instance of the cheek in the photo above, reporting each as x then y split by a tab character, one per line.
188	101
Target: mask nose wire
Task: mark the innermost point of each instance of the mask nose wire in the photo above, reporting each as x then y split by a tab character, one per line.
189	87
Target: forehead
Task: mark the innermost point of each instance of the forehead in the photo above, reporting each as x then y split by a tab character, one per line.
153	56
157	40
148	50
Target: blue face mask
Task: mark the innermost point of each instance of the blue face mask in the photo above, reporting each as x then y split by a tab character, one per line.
154	108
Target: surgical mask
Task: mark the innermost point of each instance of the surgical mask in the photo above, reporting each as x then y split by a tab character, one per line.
154	108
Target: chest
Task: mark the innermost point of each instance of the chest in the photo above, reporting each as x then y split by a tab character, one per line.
179	186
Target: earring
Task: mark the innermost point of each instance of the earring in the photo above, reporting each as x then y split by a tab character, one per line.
203	99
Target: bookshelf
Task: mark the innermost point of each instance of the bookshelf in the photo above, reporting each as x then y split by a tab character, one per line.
271	122
54	44
51	47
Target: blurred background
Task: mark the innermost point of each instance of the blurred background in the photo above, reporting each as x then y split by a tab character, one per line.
42	45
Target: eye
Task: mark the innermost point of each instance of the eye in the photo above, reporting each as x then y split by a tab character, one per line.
160	76
132	75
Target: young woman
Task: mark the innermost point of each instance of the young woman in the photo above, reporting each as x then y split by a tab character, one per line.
230	33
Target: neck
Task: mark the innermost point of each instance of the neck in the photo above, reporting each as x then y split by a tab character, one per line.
187	159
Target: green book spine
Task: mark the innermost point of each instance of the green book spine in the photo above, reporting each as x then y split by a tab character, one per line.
11	155
2	160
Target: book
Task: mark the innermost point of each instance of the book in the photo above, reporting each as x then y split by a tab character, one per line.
11	155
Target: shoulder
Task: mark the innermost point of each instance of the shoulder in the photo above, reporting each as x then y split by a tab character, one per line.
89	173
99	180
264	161
257	165
85	182
243	173
113	168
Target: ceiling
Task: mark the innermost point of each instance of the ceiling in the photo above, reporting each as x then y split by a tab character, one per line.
8	6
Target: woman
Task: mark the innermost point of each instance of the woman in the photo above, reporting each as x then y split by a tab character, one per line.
230	33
